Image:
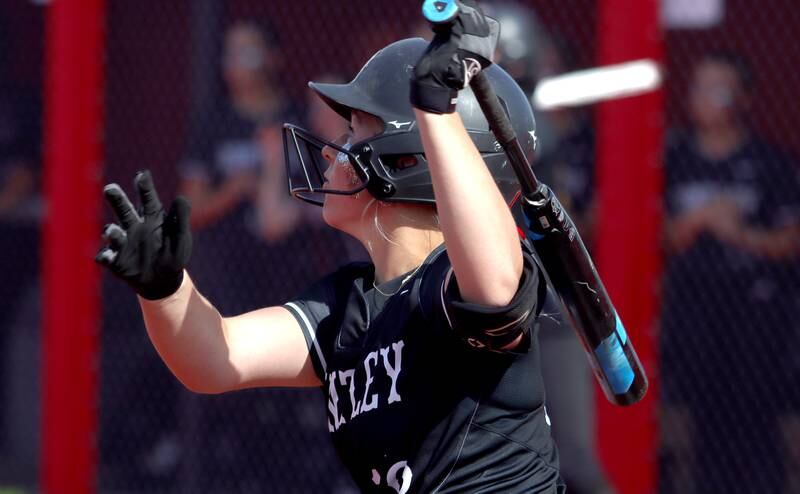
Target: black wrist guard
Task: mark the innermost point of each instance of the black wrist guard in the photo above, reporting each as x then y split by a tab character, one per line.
163	287
433	98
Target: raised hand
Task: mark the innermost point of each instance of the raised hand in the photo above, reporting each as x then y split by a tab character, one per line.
148	249
459	50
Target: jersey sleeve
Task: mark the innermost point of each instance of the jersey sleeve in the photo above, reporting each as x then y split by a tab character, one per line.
478	325
319	312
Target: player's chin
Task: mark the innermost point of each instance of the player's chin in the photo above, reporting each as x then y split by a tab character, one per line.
340	211
333	210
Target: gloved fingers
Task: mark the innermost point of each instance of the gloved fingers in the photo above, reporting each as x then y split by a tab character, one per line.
180	237
473	19
179	213
147	193
121	205
494	34
480	34
178	241
115	236
106	256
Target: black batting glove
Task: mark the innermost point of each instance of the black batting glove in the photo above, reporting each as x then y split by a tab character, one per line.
148	249
459	50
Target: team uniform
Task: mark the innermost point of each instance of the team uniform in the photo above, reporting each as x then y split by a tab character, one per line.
421	396
412	405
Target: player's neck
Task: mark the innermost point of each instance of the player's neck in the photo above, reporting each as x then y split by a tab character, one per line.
392	260
398	239
721	142
257	101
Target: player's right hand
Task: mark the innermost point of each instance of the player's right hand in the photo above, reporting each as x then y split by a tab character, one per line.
148	249
458	51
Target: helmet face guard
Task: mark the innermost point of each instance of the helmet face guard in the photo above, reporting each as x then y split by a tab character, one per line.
392	165
306	166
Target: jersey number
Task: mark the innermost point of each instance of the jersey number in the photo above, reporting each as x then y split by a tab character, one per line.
398	477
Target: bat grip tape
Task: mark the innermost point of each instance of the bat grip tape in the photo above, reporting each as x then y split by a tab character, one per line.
501	126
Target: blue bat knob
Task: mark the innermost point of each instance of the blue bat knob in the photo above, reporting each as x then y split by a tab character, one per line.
440	11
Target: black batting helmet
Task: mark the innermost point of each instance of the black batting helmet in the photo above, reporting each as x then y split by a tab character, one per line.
391	165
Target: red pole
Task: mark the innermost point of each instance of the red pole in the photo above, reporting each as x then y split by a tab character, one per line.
629	144
72	158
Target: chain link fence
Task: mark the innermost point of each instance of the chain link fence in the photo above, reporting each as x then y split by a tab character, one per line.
729	328
197	91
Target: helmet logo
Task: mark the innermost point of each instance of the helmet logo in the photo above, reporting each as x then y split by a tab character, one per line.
398	125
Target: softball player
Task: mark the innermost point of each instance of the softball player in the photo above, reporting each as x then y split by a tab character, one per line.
427	355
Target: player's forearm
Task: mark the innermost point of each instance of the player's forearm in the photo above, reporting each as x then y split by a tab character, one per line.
479	231
783	243
209	205
189	335
681	232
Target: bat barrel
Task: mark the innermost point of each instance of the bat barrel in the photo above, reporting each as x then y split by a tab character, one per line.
584	299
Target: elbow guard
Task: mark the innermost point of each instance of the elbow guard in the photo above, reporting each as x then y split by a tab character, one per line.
493	328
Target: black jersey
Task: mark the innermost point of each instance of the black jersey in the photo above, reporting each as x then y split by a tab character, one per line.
411	406
763	181
718	298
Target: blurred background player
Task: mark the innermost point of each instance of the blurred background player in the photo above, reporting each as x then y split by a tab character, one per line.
732	241
229	153
247	227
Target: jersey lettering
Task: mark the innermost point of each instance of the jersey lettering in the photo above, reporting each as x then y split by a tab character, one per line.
344	377
399	483
373	400
393	370
405	477
333	403
353	379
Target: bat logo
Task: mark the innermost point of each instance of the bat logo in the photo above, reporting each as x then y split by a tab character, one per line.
471	69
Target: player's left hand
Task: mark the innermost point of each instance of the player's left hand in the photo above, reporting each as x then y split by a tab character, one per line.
149	248
458	51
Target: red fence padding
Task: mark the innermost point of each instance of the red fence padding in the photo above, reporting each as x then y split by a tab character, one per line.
629	180
73	153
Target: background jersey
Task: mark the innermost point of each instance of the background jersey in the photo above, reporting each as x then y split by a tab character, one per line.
411	407
702	329
760	179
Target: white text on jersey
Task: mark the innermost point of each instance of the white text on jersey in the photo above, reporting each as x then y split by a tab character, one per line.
362	377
